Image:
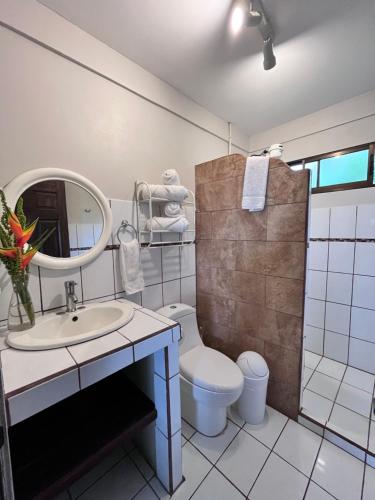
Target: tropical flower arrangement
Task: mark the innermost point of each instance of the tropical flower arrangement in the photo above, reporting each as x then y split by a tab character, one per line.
16	254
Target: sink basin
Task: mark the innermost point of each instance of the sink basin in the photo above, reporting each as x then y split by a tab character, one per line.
58	330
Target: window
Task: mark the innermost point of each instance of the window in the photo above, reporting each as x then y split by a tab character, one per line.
348	169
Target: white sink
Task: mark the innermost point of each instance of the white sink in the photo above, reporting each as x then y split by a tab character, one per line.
58	330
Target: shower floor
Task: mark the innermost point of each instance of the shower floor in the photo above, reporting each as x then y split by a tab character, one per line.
341	398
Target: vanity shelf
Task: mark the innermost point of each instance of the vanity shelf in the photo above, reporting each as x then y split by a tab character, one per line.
58	445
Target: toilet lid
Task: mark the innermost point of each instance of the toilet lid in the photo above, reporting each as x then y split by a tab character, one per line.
210	369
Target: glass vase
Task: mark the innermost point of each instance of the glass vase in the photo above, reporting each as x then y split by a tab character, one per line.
21	315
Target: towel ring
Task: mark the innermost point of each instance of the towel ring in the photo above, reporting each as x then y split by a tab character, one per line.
125	224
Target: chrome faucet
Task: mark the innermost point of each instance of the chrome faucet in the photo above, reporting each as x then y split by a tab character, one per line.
71	297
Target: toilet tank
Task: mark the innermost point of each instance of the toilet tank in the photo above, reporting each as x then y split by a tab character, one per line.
187	317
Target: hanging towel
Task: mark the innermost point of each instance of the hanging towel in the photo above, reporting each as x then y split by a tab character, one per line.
170	193
173	209
173	224
255	183
171	177
130	267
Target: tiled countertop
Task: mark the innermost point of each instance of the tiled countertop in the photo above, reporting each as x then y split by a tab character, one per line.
34	380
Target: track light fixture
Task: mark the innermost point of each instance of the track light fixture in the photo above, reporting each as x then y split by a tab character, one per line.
269	59
254	17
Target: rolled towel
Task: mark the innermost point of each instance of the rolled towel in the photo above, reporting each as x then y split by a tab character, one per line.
173	224
173	209
171	193
171	177
255	183
130	267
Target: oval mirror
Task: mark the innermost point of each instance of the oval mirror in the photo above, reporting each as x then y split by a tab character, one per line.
73	206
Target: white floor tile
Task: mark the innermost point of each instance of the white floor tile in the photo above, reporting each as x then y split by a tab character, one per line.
213	447
349	424
159	489
270	429
146	494
316	406
354	399
312	360
360	379
279	480
338	472
307	372
369	484
216	487
234	416
123	481
324	385
194	468
371	445
331	368
243	460
186	429
315	492
144	468
298	446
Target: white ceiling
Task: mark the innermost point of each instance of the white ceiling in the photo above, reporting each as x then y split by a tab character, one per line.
324	49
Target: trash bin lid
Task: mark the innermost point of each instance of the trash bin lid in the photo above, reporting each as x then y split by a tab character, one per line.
252	364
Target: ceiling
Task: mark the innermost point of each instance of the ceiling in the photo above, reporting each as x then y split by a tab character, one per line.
324	49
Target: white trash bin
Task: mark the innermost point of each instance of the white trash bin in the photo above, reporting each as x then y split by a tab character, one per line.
252	403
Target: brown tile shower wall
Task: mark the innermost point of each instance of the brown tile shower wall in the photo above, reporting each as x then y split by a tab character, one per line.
251	268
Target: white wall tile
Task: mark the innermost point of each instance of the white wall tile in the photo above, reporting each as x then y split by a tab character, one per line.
341	257
364	292
319	226
187	260
339	288
337	318
314	338
98	278
362	324
152	297
91	373
151	345
366	221
122	209
151	265
362	355
318	255
365	259
161	395
336	346
189	291
343	222
314	312
171	263
171	292
160	361
53	290
317	283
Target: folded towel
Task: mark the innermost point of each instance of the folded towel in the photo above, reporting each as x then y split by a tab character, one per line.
174	224
255	183
171	193
130	267
171	177
173	209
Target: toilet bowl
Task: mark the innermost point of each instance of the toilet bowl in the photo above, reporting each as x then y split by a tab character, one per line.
210	381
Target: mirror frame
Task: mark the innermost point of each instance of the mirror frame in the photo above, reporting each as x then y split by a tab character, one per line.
17	186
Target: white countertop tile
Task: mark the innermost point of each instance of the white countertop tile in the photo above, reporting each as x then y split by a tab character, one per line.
141	326
91	349
22	368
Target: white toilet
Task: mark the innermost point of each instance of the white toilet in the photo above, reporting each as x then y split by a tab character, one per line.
210	381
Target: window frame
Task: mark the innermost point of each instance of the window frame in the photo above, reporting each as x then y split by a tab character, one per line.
369	182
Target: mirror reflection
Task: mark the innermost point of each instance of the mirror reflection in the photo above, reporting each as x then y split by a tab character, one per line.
71	210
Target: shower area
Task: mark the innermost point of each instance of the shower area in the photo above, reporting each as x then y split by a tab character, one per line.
296	283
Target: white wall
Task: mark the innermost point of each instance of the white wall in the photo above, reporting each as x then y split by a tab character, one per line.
68	100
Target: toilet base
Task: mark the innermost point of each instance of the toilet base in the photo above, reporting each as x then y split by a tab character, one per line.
204	410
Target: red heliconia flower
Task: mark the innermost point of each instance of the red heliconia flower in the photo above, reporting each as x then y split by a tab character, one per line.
22	235
16	252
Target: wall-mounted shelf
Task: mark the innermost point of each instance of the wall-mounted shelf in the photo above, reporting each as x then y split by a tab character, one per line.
150	207
55	447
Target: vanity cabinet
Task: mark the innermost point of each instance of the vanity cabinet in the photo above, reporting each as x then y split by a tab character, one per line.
66	408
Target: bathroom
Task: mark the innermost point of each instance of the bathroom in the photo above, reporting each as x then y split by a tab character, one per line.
130	382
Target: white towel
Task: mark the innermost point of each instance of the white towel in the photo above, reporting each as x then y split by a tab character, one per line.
170	193
173	224
130	267
173	209
255	183
171	177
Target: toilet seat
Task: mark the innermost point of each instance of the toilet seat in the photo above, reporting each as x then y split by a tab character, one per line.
211	370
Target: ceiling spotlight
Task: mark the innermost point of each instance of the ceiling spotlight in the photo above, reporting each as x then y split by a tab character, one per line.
237	19
254	17
269	60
